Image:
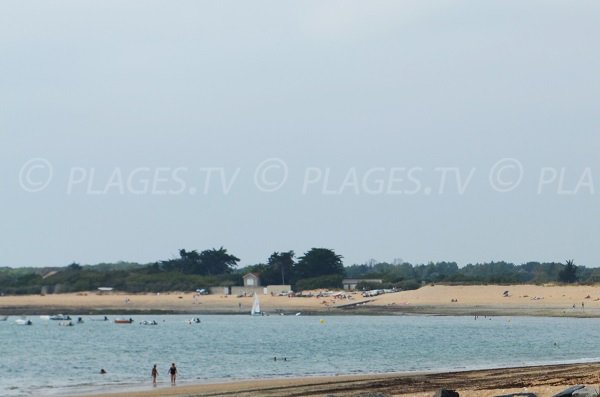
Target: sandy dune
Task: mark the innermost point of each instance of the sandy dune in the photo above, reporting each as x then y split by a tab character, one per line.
492	295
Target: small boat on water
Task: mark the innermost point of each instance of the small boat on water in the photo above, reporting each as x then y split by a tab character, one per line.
195	320
66	323
3	318
123	321
100	319
23	321
60	317
147	322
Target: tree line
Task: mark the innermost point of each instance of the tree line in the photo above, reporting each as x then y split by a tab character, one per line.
316	268
191	270
409	276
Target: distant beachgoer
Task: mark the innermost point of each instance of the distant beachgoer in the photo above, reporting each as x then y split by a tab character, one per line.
154	374
582	306
573	306
173	372
102	371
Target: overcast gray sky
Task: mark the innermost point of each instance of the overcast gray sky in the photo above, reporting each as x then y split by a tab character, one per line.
464	131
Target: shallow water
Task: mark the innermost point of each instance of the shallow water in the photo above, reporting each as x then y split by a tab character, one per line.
47	359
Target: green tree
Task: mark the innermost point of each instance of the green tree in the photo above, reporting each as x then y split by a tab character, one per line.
569	273
187	263
208	262
217	261
282	263
319	262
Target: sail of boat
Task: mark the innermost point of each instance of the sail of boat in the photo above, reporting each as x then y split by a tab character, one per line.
255	306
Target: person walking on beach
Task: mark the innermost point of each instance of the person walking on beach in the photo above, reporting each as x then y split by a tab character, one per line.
173	372
154	375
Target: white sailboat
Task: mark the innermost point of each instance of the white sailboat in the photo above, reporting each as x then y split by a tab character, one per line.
255	307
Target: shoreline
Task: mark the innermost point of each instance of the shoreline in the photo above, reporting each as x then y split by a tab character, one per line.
543	380
373	310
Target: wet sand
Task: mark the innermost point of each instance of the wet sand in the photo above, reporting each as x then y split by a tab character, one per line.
542	380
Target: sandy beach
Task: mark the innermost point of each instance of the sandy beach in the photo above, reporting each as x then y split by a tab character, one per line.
544	381
530	300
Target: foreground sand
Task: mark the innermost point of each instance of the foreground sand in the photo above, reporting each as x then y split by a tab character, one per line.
543	381
469	300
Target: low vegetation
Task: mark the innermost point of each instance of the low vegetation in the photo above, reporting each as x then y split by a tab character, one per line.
317	268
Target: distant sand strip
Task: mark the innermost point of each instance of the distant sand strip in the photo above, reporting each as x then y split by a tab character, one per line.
513	300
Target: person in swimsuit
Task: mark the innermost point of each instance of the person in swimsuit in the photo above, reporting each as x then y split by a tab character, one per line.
154	375
173	372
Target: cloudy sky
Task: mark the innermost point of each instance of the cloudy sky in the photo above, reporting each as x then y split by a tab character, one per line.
463	131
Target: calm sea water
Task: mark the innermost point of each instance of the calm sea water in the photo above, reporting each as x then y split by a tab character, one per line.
47	359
